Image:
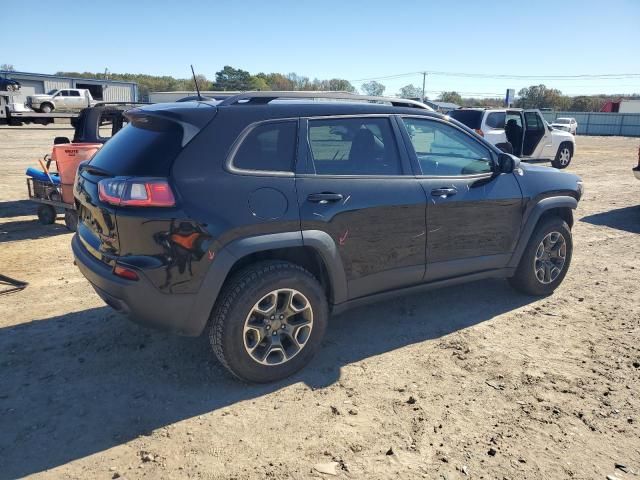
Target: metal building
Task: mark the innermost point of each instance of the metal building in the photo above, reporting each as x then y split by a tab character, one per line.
101	89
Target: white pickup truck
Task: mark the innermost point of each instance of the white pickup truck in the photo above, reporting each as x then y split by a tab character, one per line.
524	133
63	99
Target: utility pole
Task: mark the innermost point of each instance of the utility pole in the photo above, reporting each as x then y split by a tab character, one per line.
424	81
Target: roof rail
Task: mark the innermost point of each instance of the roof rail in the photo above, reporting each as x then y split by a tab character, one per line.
102	104
261	97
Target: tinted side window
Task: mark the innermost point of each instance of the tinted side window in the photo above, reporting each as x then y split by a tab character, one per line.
533	121
444	150
496	119
354	146
64	93
268	147
74	93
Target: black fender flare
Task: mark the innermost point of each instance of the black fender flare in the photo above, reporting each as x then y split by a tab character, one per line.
226	257
538	210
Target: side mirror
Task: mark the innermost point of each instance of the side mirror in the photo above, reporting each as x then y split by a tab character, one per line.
507	163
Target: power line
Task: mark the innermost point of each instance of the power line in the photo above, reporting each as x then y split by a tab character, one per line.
584	76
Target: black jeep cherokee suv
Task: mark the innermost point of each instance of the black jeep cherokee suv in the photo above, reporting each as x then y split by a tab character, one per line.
257	216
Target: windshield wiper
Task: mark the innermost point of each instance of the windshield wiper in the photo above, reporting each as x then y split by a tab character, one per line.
95	170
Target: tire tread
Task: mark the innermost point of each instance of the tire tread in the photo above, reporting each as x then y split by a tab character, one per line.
236	285
522	279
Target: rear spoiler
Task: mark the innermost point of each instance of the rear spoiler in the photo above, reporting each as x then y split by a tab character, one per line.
191	117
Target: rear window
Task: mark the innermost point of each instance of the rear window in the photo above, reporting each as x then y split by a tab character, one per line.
471	118
141	149
353	146
496	119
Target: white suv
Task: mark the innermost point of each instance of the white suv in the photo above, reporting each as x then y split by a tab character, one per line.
524	133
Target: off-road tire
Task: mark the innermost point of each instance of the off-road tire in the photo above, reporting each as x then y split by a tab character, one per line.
239	294
525	279
46	214
561	160
46	108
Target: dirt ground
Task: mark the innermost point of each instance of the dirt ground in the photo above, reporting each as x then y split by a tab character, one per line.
471	382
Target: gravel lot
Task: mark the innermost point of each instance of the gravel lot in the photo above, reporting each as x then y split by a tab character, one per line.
467	382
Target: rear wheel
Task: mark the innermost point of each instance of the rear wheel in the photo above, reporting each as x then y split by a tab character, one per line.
46	214
563	156
546	258
268	321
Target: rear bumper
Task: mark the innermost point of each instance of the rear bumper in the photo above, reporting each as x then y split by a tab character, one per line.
140	300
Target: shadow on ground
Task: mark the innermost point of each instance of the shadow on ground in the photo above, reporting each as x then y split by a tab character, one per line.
627	219
17	208
84	382
30	230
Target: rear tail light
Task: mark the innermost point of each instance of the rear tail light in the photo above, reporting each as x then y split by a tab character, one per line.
479	132
136	192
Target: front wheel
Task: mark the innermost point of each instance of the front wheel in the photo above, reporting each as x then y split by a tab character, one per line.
546	258
46	108
268	321
563	156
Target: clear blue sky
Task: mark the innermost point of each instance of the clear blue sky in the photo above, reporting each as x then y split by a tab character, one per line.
352	40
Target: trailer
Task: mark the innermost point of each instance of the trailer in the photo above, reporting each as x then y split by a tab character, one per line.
13	111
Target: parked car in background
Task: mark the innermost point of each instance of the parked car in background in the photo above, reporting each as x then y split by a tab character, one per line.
253	218
523	133
568	124
64	99
9	84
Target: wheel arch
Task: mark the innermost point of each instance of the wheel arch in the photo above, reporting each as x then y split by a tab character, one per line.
569	143
313	250
561	206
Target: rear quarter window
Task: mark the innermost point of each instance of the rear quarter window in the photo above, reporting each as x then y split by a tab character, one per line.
268	147
471	118
496	119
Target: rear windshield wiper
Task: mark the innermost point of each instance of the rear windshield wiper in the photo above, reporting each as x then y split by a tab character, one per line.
87	167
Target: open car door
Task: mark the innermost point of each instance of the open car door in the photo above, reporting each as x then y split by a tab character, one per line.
536	135
514	130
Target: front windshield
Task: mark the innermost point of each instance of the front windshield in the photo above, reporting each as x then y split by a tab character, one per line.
562	120
53	92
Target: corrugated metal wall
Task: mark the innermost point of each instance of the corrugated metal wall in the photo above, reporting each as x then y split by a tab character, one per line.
597	123
50	84
118	93
113	92
37	85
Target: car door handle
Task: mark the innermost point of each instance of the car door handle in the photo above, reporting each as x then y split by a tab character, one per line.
324	197
444	192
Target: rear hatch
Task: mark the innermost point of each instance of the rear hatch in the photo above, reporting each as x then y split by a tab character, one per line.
124	193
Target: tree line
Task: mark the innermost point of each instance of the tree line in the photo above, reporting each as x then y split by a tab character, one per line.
236	79
227	79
